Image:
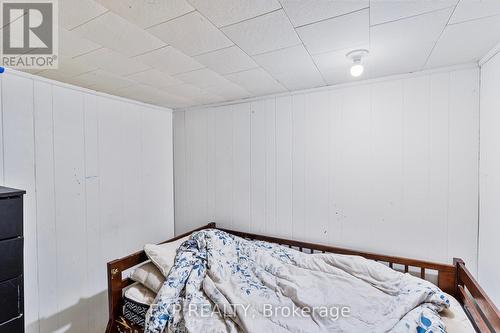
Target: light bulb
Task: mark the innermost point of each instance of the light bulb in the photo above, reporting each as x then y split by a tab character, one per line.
357	69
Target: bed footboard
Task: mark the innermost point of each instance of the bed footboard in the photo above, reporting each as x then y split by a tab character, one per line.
479	307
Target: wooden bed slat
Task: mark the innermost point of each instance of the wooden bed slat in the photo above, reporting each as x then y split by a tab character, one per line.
471	309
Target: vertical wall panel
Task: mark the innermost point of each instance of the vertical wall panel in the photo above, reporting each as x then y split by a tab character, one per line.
316	165
157	180
439	135
180	182
94	297
387	163
133	204
335	216
269	114
211	135
258	166
299	221
45	202
241	166
374	166
111	185
356	161
284	166
196	164
224	165
71	225
463	189
416	167
19	172
489	246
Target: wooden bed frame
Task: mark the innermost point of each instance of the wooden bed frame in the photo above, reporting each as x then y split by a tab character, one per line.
454	279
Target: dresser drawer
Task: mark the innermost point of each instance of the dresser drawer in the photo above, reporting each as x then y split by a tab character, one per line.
13	326
11	258
11	217
11	295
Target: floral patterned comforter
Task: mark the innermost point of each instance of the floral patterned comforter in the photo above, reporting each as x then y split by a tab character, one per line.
224	283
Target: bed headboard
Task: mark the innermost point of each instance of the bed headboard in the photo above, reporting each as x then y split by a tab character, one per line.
446	274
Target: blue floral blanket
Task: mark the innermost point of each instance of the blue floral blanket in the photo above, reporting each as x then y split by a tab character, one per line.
224	283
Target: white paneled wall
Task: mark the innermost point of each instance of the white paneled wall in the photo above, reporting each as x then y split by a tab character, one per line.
388	166
98	176
489	211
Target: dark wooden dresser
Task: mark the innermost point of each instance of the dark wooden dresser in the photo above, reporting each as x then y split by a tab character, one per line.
11	261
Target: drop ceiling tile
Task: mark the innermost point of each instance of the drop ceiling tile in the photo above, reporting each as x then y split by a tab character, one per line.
202	78
256	81
411	31
72	45
112	62
466	42
308	11
116	33
151	95
68	68
265	33
207	98
190	92
382	11
170	60
101	80
72	13
336	33
155	78
146	13
228	60
298	71
70	80
31	71
225	12
306	80
404	45
390	59
285	60
192	34
473	9
229	91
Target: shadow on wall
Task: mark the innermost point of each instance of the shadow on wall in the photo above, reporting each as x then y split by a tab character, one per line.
89	315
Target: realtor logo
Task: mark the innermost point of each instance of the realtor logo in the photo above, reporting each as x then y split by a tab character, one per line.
29	34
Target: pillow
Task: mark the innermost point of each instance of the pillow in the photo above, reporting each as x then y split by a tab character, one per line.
139	294
148	275
163	255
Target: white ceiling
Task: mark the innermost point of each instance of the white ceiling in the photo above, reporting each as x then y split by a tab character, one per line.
180	53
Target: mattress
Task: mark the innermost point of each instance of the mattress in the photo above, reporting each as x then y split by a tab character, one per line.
138	298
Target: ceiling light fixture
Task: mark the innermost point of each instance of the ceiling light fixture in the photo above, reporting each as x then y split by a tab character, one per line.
357	67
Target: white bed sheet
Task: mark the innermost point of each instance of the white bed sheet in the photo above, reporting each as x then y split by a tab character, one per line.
455	319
